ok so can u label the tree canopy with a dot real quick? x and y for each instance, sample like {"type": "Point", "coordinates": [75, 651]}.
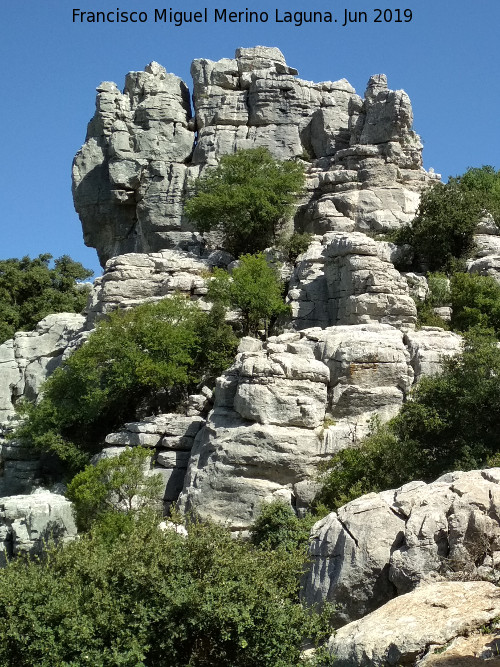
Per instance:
{"type": "Point", "coordinates": [246, 198]}
{"type": "Point", "coordinates": [30, 290]}
{"type": "Point", "coordinates": [443, 229]}
{"type": "Point", "coordinates": [167, 347]}
{"type": "Point", "coordinates": [157, 598]}
{"type": "Point", "coordinates": [254, 288]}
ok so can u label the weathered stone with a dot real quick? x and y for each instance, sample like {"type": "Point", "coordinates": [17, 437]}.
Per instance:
{"type": "Point", "coordinates": [447, 530]}
{"type": "Point", "coordinates": [29, 521]}
{"type": "Point", "coordinates": [403, 629]}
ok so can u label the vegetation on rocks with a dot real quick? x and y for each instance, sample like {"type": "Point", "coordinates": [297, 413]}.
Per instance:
{"type": "Point", "coordinates": [255, 289]}
{"type": "Point", "coordinates": [442, 233]}
{"type": "Point", "coordinates": [246, 198]}
{"type": "Point", "coordinates": [149, 597]}
{"type": "Point", "coordinates": [30, 290]}
{"type": "Point", "coordinates": [451, 423]}
{"type": "Point", "coordinates": [168, 347]}
{"type": "Point", "coordinates": [115, 484]}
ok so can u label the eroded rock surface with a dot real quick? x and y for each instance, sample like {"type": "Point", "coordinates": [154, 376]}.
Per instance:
{"type": "Point", "coordinates": [29, 522]}
{"type": "Point", "coordinates": [31, 356]}
{"type": "Point", "coordinates": [386, 544]}
{"type": "Point", "coordinates": [405, 629]}
{"type": "Point", "coordinates": [143, 147]}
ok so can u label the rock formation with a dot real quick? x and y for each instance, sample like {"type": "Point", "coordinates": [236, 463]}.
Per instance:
{"type": "Point", "coordinates": [415, 628]}
{"type": "Point", "coordinates": [383, 545]}
{"type": "Point", "coordinates": [143, 148]}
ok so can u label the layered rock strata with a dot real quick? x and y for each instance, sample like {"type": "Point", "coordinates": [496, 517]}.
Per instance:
{"type": "Point", "coordinates": [143, 148]}
{"type": "Point", "coordinates": [289, 403]}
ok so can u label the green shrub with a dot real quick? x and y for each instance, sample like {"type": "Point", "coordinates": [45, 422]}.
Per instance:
{"type": "Point", "coordinates": [156, 598]}
{"type": "Point", "coordinates": [475, 302]}
{"type": "Point", "coordinates": [277, 526]}
{"type": "Point", "coordinates": [170, 346]}
{"type": "Point", "coordinates": [451, 423]}
{"type": "Point", "coordinates": [254, 288]}
{"type": "Point", "coordinates": [30, 290]}
{"type": "Point", "coordinates": [295, 245]}
{"type": "Point", "coordinates": [246, 197]}
{"type": "Point", "coordinates": [442, 232]}
{"type": "Point", "coordinates": [113, 484]}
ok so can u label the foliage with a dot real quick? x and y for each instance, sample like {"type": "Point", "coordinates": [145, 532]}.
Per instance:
{"type": "Point", "coordinates": [255, 288]}
{"type": "Point", "coordinates": [295, 245]}
{"type": "Point", "coordinates": [117, 483]}
{"type": "Point", "coordinates": [451, 422]}
{"type": "Point", "coordinates": [485, 183]}
{"type": "Point", "coordinates": [169, 346]}
{"type": "Point", "coordinates": [474, 299]}
{"type": "Point", "coordinates": [278, 527]}
{"type": "Point", "coordinates": [246, 197]}
{"type": "Point", "coordinates": [442, 231]}
{"type": "Point", "coordinates": [475, 302]}
{"type": "Point", "coordinates": [30, 290]}
{"type": "Point", "coordinates": [156, 598]}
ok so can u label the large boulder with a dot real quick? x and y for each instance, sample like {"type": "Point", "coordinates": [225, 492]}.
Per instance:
{"type": "Point", "coordinates": [383, 545]}
{"type": "Point", "coordinates": [28, 523]}
{"type": "Point", "coordinates": [407, 629]}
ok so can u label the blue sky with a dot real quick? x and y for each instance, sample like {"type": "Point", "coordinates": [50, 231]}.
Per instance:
{"type": "Point", "coordinates": [447, 59]}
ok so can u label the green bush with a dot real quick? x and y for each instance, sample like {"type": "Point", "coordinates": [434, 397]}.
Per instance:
{"type": "Point", "coordinates": [246, 198]}
{"type": "Point", "coordinates": [156, 598]}
{"type": "Point", "coordinates": [451, 423]}
{"type": "Point", "coordinates": [170, 347]}
{"type": "Point", "coordinates": [475, 302]}
{"type": "Point", "coordinates": [278, 527]}
{"type": "Point", "coordinates": [254, 288]}
{"type": "Point", "coordinates": [295, 245]}
{"type": "Point", "coordinates": [30, 290]}
{"type": "Point", "coordinates": [442, 232]}
{"type": "Point", "coordinates": [114, 484]}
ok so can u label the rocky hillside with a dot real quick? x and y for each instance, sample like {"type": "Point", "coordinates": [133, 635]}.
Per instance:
{"type": "Point", "coordinates": [350, 352]}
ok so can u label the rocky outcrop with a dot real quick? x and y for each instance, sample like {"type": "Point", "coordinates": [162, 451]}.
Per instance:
{"type": "Point", "coordinates": [285, 406]}
{"type": "Point", "coordinates": [28, 523]}
{"type": "Point", "coordinates": [410, 629]}
{"type": "Point", "coordinates": [348, 278]}
{"type": "Point", "coordinates": [31, 356]}
{"type": "Point", "coordinates": [386, 544]}
{"type": "Point", "coordinates": [143, 148]}
{"type": "Point", "coordinates": [171, 438]}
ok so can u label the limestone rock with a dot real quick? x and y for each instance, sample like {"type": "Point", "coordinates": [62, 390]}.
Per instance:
{"type": "Point", "coordinates": [348, 278]}
{"type": "Point", "coordinates": [386, 544]}
{"type": "Point", "coordinates": [27, 521]}
{"type": "Point", "coordinates": [401, 631]}
{"type": "Point", "coordinates": [428, 347]}
{"type": "Point", "coordinates": [31, 356]}
{"type": "Point", "coordinates": [267, 431]}
{"type": "Point", "coordinates": [143, 148]}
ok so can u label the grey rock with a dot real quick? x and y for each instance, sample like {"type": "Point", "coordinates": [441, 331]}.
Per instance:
{"type": "Point", "coordinates": [383, 545]}
{"type": "Point", "coordinates": [412, 625]}
{"type": "Point", "coordinates": [28, 522]}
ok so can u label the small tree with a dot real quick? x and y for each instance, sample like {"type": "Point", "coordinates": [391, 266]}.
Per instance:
{"type": "Point", "coordinates": [246, 198]}
{"type": "Point", "coordinates": [254, 288]}
{"type": "Point", "coordinates": [117, 484]}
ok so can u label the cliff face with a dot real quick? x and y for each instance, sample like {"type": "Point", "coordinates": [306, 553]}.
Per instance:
{"type": "Point", "coordinates": [144, 146]}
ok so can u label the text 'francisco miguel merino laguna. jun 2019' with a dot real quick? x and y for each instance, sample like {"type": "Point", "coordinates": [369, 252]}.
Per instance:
{"type": "Point", "coordinates": [178, 18]}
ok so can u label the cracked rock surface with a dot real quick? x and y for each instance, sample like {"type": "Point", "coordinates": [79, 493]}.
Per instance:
{"type": "Point", "coordinates": [386, 544]}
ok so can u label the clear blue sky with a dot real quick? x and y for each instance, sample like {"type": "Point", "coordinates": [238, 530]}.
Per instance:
{"type": "Point", "coordinates": [447, 59]}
